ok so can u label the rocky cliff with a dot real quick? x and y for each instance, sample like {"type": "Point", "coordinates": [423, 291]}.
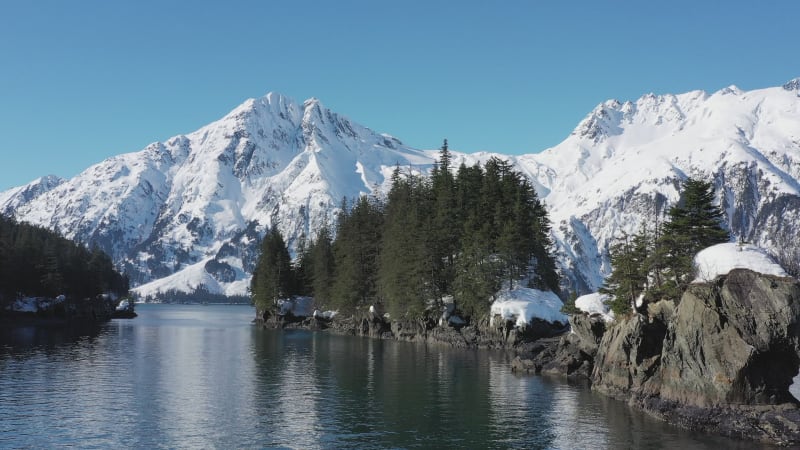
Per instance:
{"type": "Point", "coordinates": [720, 360]}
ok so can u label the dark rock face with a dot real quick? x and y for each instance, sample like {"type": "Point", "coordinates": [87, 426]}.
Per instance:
{"type": "Point", "coordinates": [628, 357]}
{"type": "Point", "coordinates": [574, 353]}
{"type": "Point", "coordinates": [733, 342]}
{"type": "Point", "coordinates": [721, 360]}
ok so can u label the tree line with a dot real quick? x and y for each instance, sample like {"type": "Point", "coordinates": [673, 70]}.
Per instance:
{"type": "Point", "coordinates": [37, 262]}
{"type": "Point", "coordinates": [456, 233]}
{"type": "Point", "coordinates": [658, 263]}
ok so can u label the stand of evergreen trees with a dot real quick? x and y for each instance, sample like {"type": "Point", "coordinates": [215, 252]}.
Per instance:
{"type": "Point", "coordinates": [37, 262]}
{"type": "Point", "coordinates": [659, 263]}
{"type": "Point", "coordinates": [459, 235]}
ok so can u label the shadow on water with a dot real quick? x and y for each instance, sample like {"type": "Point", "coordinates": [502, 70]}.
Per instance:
{"type": "Point", "coordinates": [320, 390]}
{"type": "Point", "coordinates": [203, 377]}
{"type": "Point", "coordinates": [581, 416]}
{"type": "Point", "coordinates": [22, 339]}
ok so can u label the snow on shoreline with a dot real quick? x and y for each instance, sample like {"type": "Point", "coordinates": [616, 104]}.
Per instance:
{"type": "Point", "coordinates": [522, 305]}
{"type": "Point", "coordinates": [302, 307]}
{"type": "Point", "coordinates": [595, 304]}
{"type": "Point", "coordinates": [34, 304]}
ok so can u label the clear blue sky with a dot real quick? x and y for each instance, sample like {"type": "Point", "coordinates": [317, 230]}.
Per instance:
{"type": "Point", "coordinates": [84, 80]}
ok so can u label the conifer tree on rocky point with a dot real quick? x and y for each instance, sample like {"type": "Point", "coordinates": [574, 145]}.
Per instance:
{"type": "Point", "coordinates": [661, 264]}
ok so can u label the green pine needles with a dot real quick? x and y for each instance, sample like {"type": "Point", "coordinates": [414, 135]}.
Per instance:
{"type": "Point", "coordinates": [38, 262]}
{"type": "Point", "coordinates": [457, 234]}
{"type": "Point", "coordinates": [658, 264]}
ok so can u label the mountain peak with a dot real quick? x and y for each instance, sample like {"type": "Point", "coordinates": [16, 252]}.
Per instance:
{"type": "Point", "coordinates": [195, 206]}
{"type": "Point", "coordinates": [311, 102]}
{"type": "Point", "coordinates": [274, 97]}
{"type": "Point", "coordinates": [15, 197]}
{"type": "Point", "coordinates": [602, 121]}
{"type": "Point", "coordinates": [792, 85]}
{"type": "Point", "coordinates": [732, 89]}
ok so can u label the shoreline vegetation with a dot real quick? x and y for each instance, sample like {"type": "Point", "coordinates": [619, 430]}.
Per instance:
{"type": "Point", "coordinates": [452, 239]}
{"type": "Point", "coordinates": [48, 279]}
{"type": "Point", "coordinates": [488, 333]}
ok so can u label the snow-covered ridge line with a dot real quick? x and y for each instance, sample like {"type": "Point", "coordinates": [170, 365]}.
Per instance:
{"type": "Point", "coordinates": [190, 211]}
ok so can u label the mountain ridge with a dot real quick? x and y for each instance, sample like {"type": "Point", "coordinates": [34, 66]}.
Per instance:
{"type": "Point", "coordinates": [192, 208]}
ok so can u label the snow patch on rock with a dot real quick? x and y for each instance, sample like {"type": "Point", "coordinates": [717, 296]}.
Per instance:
{"type": "Point", "coordinates": [595, 303]}
{"type": "Point", "coordinates": [720, 259]}
{"type": "Point", "coordinates": [522, 305]}
{"type": "Point", "coordinates": [297, 306]}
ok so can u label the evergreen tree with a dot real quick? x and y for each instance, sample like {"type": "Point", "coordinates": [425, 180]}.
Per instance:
{"type": "Point", "coordinates": [468, 189]}
{"type": "Point", "coordinates": [272, 277]}
{"type": "Point", "coordinates": [569, 304]}
{"type": "Point", "coordinates": [403, 260]}
{"type": "Point", "coordinates": [656, 265]}
{"type": "Point", "coordinates": [447, 234]}
{"type": "Point", "coordinates": [660, 265]}
{"type": "Point", "coordinates": [478, 274]}
{"type": "Point", "coordinates": [694, 224]}
{"type": "Point", "coordinates": [356, 251]}
{"type": "Point", "coordinates": [546, 276]}
{"type": "Point", "coordinates": [302, 268]}
{"type": "Point", "coordinates": [322, 266]}
{"type": "Point", "coordinates": [696, 217]}
{"type": "Point", "coordinates": [629, 277]}
{"type": "Point", "coordinates": [442, 222]}
{"type": "Point", "coordinates": [38, 262]}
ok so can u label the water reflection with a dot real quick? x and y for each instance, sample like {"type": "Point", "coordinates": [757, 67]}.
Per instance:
{"type": "Point", "coordinates": [202, 377]}
{"type": "Point", "coordinates": [24, 340]}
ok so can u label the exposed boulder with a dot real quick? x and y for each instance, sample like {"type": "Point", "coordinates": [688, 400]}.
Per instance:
{"type": "Point", "coordinates": [733, 341]}
{"type": "Point", "coordinates": [720, 360]}
{"type": "Point", "coordinates": [628, 357]}
{"type": "Point", "coordinates": [574, 354]}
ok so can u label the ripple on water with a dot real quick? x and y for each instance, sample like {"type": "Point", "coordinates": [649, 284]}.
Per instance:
{"type": "Point", "coordinates": [183, 376]}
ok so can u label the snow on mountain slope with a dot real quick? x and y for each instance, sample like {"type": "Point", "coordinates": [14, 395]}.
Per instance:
{"type": "Point", "coordinates": [623, 164]}
{"type": "Point", "coordinates": [15, 197]}
{"type": "Point", "coordinates": [204, 199]}
{"type": "Point", "coordinates": [190, 211]}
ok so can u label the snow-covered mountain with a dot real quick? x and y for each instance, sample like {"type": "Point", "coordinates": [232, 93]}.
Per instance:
{"type": "Point", "coordinates": [623, 163]}
{"type": "Point", "coordinates": [190, 211]}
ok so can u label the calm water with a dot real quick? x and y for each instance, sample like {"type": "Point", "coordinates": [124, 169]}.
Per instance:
{"type": "Point", "coordinates": [203, 376]}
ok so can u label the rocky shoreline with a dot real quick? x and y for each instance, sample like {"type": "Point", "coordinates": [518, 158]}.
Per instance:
{"type": "Point", "coordinates": [61, 312]}
{"type": "Point", "coordinates": [487, 334]}
{"type": "Point", "coordinates": [720, 360]}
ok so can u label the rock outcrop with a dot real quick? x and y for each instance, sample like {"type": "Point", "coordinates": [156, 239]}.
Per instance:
{"type": "Point", "coordinates": [721, 360]}
{"type": "Point", "coordinates": [486, 333]}
{"type": "Point", "coordinates": [734, 341]}
{"type": "Point", "coordinates": [61, 311]}
{"type": "Point", "coordinates": [572, 355]}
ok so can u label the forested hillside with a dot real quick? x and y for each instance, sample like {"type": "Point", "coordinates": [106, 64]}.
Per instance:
{"type": "Point", "coordinates": [456, 234]}
{"type": "Point", "coordinates": [38, 262]}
